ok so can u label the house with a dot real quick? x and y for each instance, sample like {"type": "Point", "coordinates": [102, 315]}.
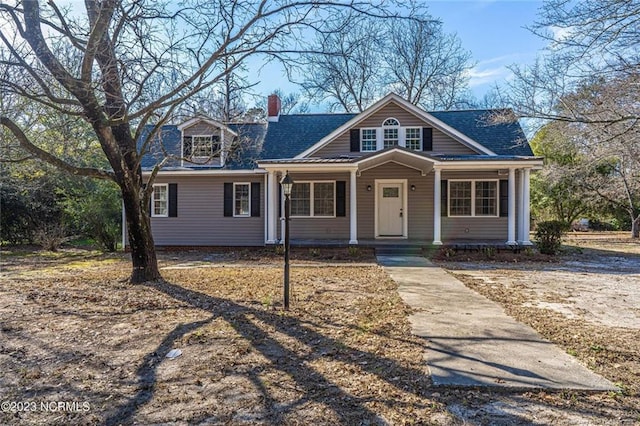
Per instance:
{"type": "Point", "coordinates": [391, 173]}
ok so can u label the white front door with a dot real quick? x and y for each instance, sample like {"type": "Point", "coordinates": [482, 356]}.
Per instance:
{"type": "Point", "coordinates": [390, 210]}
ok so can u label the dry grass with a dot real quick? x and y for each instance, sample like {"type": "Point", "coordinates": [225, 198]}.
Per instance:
{"type": "Point", "coordinates": [76, 331]}
{"type": "Point", "coordinates": [592, 287]}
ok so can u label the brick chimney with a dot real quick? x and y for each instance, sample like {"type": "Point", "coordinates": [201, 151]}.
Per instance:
{"type": "Point", "coordinates": [273, 108]}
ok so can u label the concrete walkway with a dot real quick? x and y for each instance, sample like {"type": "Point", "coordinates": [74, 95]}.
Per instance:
{"type": "Point", "coordinates": [471, 341]}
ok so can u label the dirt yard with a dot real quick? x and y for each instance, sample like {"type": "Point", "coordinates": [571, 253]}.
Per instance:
{"type": "Point", "coordinates": [79, 345]}
{"type": "Point", "coordinates": [74, 332]}
{"type": "Point", "coordinates": [587, 300]}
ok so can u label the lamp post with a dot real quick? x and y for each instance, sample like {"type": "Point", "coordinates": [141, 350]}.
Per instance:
{"type": "Point", "coordinates": [287, 185]}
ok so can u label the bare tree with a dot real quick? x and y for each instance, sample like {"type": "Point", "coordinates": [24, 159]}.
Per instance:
{"type": "Point", "coordinates": [344, 68]}
{"type": "Point", "coordinates": [292, 102]}
{"type": "Point", "coordinates": [425, 65]}
{"type": "Point", "coordinates": [587, 39]}
{"type": "Point", "coordinates": [369, 57]}
{"type": "Point", "coordinates": [589, 79]}
{"type": "Point", "coordinates": [122, 65]}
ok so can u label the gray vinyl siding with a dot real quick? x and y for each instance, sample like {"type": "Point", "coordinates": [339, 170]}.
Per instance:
{"type": "Point", "coordinates": [318, 227]}
{"type": "Point", "coordinates": [477, 228]}
{"type": "Point", "coordinates": [442, 143]}
{"type": "Point", "coordinates": [201, 220]}
{"type": "Point", "coordinates": [419, 202]}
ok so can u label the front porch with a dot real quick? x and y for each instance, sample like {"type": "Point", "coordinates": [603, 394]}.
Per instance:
{"type": "Point", "coordinates": [457, 245]}
{"type": "Point", "coordinates": [368, 184]}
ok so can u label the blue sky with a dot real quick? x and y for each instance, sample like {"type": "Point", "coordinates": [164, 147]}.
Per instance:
{"type": "Point", "coordinates": [493, 30]}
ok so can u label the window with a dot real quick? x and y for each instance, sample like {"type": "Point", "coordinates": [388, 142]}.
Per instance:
{"type": "Point", "coordinates": [459, 198]}
{"type": "Point", "coordinates": [323, 199]}
{"type": "Point", "coordinates": [241, 199]}
{"type": "Point", "coordinates": [412, 138]}
{"type": "Point", "coordinates": [390, 129]}
{"type": "Point", "coordinates": [313, 199]}
{"type": "Point", "coordinates": [486, 198]}
{"type": "Point", "coordinates": [160, 201]}
{"type": "Point", "coordinates": [301, 199]}
{"type": "Point", "coordinates": [473, 198]}
{"type": "Point", "coordinates": [390, 138]}
{"type": "Point", "coordinates": [201, 146]}
{"type": "Point", "coordinates": [369, 140]}
{"type": "Point", "coordinates": [391, 134]}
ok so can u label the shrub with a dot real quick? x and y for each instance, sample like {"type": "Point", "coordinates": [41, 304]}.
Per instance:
{"type": "Point", "coordinates": [353, 251]}
{"type": "Point", "coordinates": [549, 236]}
{"type": "Point", "coordinates": [50, 236]}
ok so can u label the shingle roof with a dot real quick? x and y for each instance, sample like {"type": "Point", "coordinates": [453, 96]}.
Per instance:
{"type": "Point", "coordinates": [502, 138]}
{"type": "Point", "coordinates": [249, 146]}
{"type": "Point", "coordinates": [293, 134]}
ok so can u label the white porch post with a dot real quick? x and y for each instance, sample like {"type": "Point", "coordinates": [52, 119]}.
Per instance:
{"type": "Point", "coordinates": [511, 229]}
{"type": "Point", "coordinates": [520, 233]}
{"type": "Point", "coordinates": [436, 208]}
{"type": "Point", "coordinates": [272, 197]}
{"type": "Point", "coordinates": [526, 208]}
{"type": "Point", "coordinates": [353, 210]}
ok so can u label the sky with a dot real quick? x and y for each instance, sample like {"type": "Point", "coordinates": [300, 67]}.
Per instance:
{"type": "Point", "coordinates": [492, 30]}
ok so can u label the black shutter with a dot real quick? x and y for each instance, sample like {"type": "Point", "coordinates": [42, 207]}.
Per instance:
{"type": "Point", "coordinates": [355, 140]}
{"type": "Point", "coordinates": [427, 139]}
{"type": "Point", "coordinates": [341, 198]}
{"type": "Point", "coordinates": [255, 199]}
{"type": "Point", "coordinates": [444, 199]}
{"type": "Point", "coordinates": [504, 198]}
{"type": "Point", "coordinates": [187, 146]}
{"type": "Point", "coordinates": [228, 199]}
{"type": "Point", "coordinates": [173, 200]}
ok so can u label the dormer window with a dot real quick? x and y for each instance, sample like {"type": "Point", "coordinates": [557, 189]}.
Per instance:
{"type": "Point", "coordinates": [201, 146]}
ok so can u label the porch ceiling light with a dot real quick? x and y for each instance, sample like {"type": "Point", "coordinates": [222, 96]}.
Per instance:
{"type": "Point", "coordinates": [287, 184]}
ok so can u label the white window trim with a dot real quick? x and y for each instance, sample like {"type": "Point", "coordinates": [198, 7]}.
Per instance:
{"type": "Point", "coordinates": [213, 155]}
{"type": "Point", "coordinates": [221, 151]}
{"type": "Point", "coordinates": [402, 136]}
{"type": "Point", "coordinates": [377, 129]}
{"type": "Point", "coordinates": [312, 199]}
{"type": "Point", "coordinates": [234, 199]}
{"type": "Point", "coordinates": [473, 197]}
{"type": "Point", "coordinates": [153, 200]}
{"type": "Point", "coordinates": [404, 139]}
{"type": "Point", "coordinates": [392, 126]}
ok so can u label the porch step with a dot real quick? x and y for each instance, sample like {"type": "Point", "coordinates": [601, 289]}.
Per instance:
{"type": "Point", "coordinates": [399, 251]}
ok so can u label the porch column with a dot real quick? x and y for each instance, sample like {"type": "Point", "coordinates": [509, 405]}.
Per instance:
{"type": "Point", "coordinates": [526, 207]}
{"type": "Point", "coordinates": [272, 199]}
{"type": "Point", "coordinates": [520, 232]}
{"type": "Point", "coordinates": [436, 208]}
{"type": "Point", "coordinates": [353, 210]}
{"type": "Point", "coordinates": [511, 229]}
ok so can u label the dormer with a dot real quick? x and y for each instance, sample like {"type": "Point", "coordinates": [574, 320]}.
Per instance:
{"type": "Point", "coordinates": [205, 142]}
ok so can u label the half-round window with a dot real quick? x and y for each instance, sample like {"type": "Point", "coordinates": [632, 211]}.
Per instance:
{"type": "Point", "coordinates": [390, 122]}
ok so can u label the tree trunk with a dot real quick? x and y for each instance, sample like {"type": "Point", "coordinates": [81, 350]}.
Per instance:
{"type": "Point", "coordinates": [143, 252]}
{"type": "Point", "coordinates": [635, 227]}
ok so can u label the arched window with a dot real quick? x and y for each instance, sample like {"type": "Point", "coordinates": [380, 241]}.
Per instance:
{"type": "Point", "coordinates": [390, 132]}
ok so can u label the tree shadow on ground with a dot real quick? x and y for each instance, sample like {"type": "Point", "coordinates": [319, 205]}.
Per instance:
{"type": "Point", "coordinates": [349, 409]}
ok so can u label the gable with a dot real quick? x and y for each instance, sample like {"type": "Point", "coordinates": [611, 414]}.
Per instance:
{"type": "Point", "coordinates": [442, 143]}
